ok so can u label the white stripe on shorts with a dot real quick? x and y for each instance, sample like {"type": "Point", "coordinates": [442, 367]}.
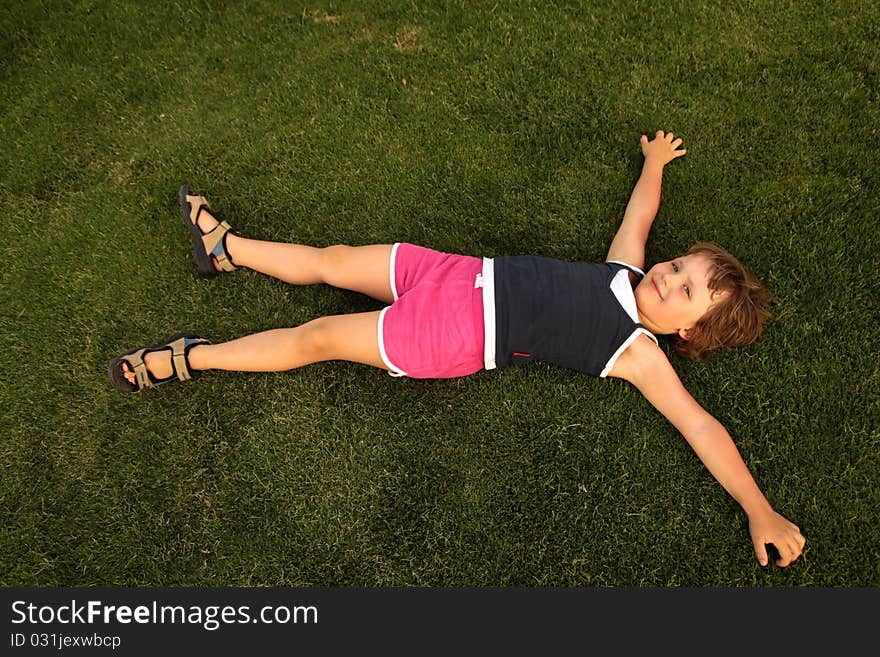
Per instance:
{"type": "Point", "coordinates": [488, 284]}
{"type": "Point", "coordinates": [391, 274]}
{"type": "Point", "coordinates": [393, 369]}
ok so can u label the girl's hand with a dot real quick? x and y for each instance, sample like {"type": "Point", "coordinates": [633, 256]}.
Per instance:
{"type": "Point", "coordinates": [770, 527]}
{"type": "Point", "coordinates": [663, 148]}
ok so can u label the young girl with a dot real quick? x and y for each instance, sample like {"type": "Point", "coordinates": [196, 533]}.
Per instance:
{"type": "Point", "coordinates": [452, 315]}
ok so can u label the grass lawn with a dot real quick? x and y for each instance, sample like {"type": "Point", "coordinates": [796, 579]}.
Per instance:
{"type": "Point", "coordinates": [475, 127]}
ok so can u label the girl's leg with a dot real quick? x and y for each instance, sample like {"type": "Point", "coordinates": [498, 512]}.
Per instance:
{"type": "Point", "coordinates": [363, 269]}
{"type": "Point", "coordinates": [340, 337]}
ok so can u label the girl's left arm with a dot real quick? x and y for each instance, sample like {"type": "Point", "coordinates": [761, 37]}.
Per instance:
{"type": "Point", "coordinates": [655, 377]}
{"type": "Point", "coordinates": [629, 242]}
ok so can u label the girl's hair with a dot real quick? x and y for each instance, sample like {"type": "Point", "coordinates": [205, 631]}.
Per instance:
{"type": "Point", "coordinates": [738, 318]}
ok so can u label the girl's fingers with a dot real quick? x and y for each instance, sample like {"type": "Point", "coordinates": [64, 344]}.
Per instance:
{"type": "Point", "coordinates": [790, 555]}
{"type": "Point", "coordinates": [761, 553]}
{"type": "Point", "coordinates": [676, 143]}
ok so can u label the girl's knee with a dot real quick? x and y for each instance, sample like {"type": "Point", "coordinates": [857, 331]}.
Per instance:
{"type": "Point", "coordinates": [332, 261]}
{"type": "Point", "coordinates": [341, 337]}
{"type": "Point", "coordinates": [318, 338]}
{"type": "Point", "coordinates": [334, 256]}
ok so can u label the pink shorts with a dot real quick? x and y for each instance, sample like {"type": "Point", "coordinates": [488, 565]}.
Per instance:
{"type": "Point", "coordinates": [434, 328]}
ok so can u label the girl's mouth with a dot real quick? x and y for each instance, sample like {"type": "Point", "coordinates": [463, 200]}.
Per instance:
{"type": "Point", "coordinates": [656, 287]}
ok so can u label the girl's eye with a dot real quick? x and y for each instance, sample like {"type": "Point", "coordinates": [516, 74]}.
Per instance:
{"type": "Point", "coordinates": [687, 290]}
{"type": "Point", "coordinates": [675, 267]}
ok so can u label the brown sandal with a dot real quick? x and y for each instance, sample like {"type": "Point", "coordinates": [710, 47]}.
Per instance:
{"type": "Point", "coordinates": [179, 344]}
{"type": "Point", "coordinates": [205, 245]}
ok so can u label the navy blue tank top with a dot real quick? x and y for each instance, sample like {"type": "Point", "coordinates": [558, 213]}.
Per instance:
{"type": "Point", "coordinates": [579, 315]}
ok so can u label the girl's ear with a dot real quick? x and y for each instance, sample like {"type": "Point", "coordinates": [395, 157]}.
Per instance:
{"type": "Point", "coordinates": [685, 334]}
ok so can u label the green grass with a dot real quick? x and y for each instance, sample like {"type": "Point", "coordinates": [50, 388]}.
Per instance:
{"type": "Point", "coordinates": [516, 132]}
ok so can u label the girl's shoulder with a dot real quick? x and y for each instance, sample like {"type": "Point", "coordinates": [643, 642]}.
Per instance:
{"type": "Point", "coordinates": [641, 354]}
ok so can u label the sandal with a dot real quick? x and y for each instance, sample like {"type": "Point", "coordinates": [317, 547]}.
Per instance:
{"type": "Point", "coordinates": [205, 245]}
{"type": "Point", "coordinates": [179, 344]}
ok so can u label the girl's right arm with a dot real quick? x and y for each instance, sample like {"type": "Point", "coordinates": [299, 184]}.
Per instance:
{"type": "Point", "coordinates": [629, 243]}
{"type": "Point", "coordinates": [651, 372]}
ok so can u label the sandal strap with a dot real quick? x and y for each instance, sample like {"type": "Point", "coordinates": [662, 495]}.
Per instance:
{"type": "Point", "coordinates": [142, 376]}
{"type": "Point", "coordinates": [196, 204]}
{"type": "Point", "coordinates": [179, 350]}
{"type": "Point", "coordinates": [215, 245]}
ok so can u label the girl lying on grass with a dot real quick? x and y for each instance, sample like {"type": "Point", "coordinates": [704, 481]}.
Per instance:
{"type": "Point", "coordinates": [452, 315]}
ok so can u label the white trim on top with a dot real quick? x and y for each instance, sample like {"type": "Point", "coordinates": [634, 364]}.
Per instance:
{"type": "Point", "coordinates": [627, 265]}
{"type": "Point", "coordinates": [623, 292]}
{"type": "Point", "coordinates": [610, 364]}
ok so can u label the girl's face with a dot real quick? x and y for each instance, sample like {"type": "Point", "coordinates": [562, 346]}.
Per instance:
{"type": "Point", "coordinates": [674, 295]}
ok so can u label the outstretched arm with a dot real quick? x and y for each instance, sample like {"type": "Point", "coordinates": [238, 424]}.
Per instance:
{"type": "Point", "coordinates": [655, 377]}
{"type": "Point", "coordinates": [629, 243]}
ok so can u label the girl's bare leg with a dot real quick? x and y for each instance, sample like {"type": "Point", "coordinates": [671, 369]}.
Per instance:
{"type": "Point", "coordinates": [363, 269]}
{"type": "Point", "coordinates": [340, 337]}
{"type": "Point", "coordinates": [354, 337]}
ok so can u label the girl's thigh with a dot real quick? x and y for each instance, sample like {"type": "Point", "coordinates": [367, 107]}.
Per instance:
{"type": "Point", "coordinates": [353, 337]}
{"type": "Point", "coordinates": [364, 269]}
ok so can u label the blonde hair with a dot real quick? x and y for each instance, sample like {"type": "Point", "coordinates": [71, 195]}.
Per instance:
{"type": "Point", "coordinates": [737, 319]}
